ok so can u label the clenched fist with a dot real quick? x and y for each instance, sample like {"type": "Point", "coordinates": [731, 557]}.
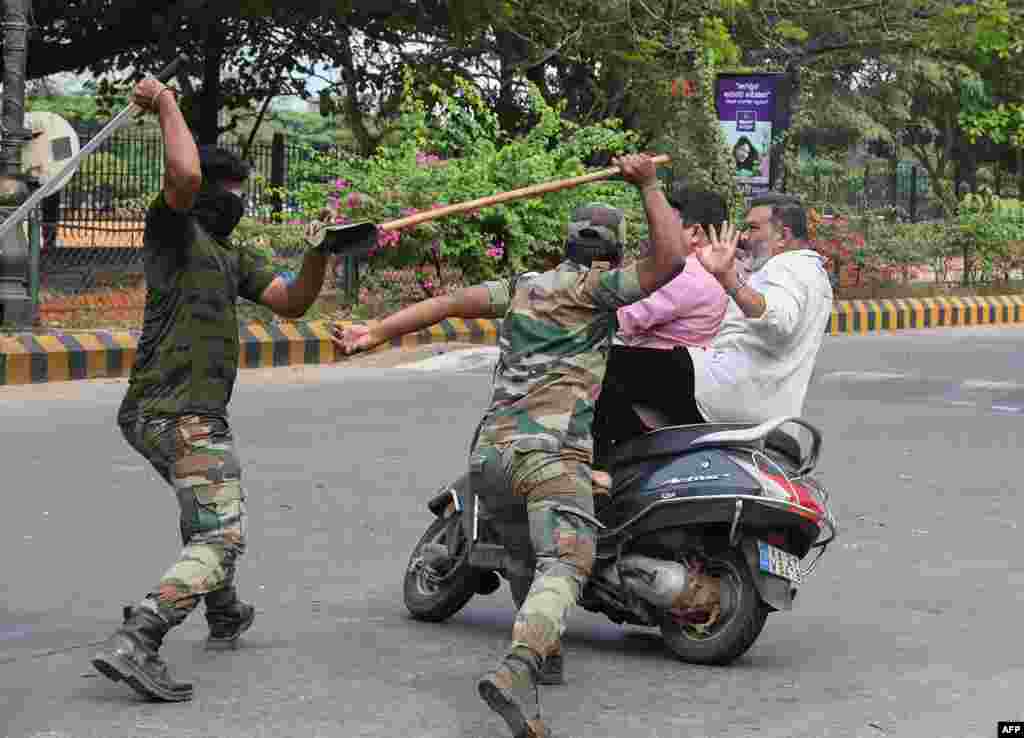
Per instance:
{"type": "Point", "coordinates": [149, 94]}
{"type": "Point", "coordinates": [637, 169]}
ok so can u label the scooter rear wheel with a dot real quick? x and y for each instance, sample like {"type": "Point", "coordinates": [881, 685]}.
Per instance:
{"type": "Point", "coordinates": [735, 631]}
{"type": "Point", "coordinates": [431, 592]}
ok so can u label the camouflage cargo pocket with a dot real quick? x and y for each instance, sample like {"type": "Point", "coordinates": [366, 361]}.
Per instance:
{"type": "Point", "coordinates": [207, 480]}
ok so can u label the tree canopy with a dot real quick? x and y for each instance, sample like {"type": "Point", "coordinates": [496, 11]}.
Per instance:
{"type": "Point", "coordinates": [939, 79]}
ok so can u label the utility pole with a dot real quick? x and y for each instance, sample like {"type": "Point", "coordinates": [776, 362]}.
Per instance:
{"type": "Point", "coordinates": [16, 306]}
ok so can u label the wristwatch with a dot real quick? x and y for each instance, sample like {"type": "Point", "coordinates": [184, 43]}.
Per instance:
{"type": "Point", "coordinates": [731, 291]}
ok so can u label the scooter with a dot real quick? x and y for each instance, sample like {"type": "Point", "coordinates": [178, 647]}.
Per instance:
{"type": "Point", "coordinates": [735, 502]}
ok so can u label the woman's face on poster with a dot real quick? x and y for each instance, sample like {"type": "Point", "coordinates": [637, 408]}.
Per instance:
{"type": "Point", "coordinates": [742, 152]}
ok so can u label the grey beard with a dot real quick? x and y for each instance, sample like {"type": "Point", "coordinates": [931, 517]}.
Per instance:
{"type": "Point", "coordinates": [756, 262]}
{"type": "Point", "coordinates": [749, 261]}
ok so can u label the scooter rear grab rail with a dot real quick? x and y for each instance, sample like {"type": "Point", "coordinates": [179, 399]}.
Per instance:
{"type": "Point", "coordinates": [758, 434]}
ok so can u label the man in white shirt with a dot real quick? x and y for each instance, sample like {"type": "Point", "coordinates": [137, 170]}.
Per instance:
{"type": "Point", "coordinates": [759, 364]}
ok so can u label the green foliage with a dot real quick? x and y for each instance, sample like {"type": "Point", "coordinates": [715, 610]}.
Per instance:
{"type": "Point", "coordinates": [715, 37]}
{"type": "Point", "coordinates": [694, 138]}
{"type": "Point", "coordinates": [410, 174]}
{"type": "Point", "coordinates": [87, 109]}
{"type": "Point", "coordinates": [898, 245]}
{"type": "Point", "coordinates": [1002, 124]}
{"type": "Point", "coordinates": [791, 31]}
{"type": "Point", "coordinates": [990, 229]}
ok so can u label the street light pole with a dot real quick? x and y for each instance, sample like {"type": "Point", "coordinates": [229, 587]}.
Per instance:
{"type": "Point", "coordinates": [16, 306]}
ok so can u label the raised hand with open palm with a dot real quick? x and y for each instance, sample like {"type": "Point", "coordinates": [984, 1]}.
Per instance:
{"type": "Point", "coordinates": [718, 253]}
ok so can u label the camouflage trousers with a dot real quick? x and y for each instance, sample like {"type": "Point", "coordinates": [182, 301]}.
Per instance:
{"type": "Point", "coordinates": [559, 505]}
{"type": "Point", "coordinates": [196, 456]}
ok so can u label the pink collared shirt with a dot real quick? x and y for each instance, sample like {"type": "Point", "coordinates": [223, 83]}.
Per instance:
{"type": "Point", "coordinates": [688, 311]}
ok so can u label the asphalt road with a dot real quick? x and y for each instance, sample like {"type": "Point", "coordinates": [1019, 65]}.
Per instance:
{"type": "Point", "coordinates": [908, 628]}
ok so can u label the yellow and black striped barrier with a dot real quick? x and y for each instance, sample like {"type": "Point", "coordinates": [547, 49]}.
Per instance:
{"type": "Point", "coordinates": [873, 316]}
{"type": "Point", "coordinates": [60, 356]}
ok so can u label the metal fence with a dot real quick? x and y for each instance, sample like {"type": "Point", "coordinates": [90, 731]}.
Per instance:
{"type": "Point", "coordinates": [92, 229]}
{"type": "Point", "coordinates": [905, 188]}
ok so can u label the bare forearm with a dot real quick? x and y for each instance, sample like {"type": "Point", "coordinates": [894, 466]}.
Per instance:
{"type": "Point", "coordinates": [415, 317]}
{"type": "Point", "coordinates": [302, 293]}
{"type": "Point", "coordinates": [181, 157]}
{"type": "Point", "coordinates": [668, 248]}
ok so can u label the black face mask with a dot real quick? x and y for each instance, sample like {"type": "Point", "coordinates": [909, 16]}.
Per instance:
{"type": "Point", "coordinates": [586, 251]}
{"type": "Point", "coordinates": [218, 211]}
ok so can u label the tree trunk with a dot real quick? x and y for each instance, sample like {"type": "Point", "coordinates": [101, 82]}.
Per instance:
{"type": "Point", "coordinates": [575, 83]}
{"type": "Point", "coordinates": [15, 42]}
{"type": "Point", "coordinates": [208, 123]}
{"type": "Point", "coordinates": [538, 75]}
{"type": "Point", "coordinates": [971, 169]}
{"type": "Point", "coordinates": [353, 111]}
{"type": "Point", "coordinates": [1020, 174]}
{"type": "Point", "coordinates": [509, 54]}
{"type": "Point", "coordinates": [256, 126]}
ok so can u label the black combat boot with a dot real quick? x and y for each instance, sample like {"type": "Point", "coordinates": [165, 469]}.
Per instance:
{"type": "Point", "coordinates": [552, 670]}
{"type": "Point", "coordinates": [130, 654]}
{"type": "Point", "coordinates": [511, 691]}
{"type": "Point", "coordinates": [228, 618]}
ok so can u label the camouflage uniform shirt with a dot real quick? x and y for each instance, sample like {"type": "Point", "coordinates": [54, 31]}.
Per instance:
{"type": "Point", "coordinates": [554, 342]}
{"type": "Point", "coordinates": [187, 356]}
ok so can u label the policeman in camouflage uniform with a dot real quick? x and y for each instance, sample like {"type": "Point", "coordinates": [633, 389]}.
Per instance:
{"type": "Point", "coordinates": [175, 410]}
{"type": "Point", "coordinates": [534, 447]}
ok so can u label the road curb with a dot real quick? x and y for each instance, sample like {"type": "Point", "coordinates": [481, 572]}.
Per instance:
{"type": "Point", "coordinates": [69, 355]}
{"type": "Point", "coordinates": [884, 316]}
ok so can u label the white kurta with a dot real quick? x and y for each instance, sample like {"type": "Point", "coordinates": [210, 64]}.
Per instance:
{"type": "Point", "coordinates": [757, 369]}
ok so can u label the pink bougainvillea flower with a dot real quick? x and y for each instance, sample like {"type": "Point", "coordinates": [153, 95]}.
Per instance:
{"type": "Point", "coordinates": [424, 159]}
{"type": "Point", "coordinates": [388, 238]}
{"type": "Point", "coordinates": [496, 250]}
{"type": "Point", "coordinates": [341, 184]}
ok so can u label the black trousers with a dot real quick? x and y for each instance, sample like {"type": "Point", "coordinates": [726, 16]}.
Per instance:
{"type": "Point", "coordinates": [659, 378]}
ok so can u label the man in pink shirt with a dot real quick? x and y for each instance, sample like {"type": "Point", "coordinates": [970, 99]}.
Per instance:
{"type": "Point", "coordinates": [649, 362]}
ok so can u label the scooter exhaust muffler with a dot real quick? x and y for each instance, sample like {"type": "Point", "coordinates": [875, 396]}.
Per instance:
{"type": "Point", "coordinates": [667, 585]}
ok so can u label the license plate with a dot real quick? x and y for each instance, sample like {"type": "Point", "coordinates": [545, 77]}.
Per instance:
{"type": "Point", "coordinates": [778, 562]}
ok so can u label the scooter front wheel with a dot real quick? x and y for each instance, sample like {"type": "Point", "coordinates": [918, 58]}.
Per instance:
{"type": "Point", "coordinates": [435, 588]}
{"type": "Point", "coordinates": [735, 630]}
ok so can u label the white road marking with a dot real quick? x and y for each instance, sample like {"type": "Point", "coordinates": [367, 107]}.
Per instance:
{"type": "Point", "coordinates": [967, 385]}
{"type": "Point", "coordinates": [865, 376]}
{"type": "Point", "coordinates": [990, 384]}
{"type": "Point", "coordinates": [465, 360]}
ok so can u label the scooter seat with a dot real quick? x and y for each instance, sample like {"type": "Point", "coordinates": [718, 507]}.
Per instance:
{"type": "Point", "coordinates": [678, 439]}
